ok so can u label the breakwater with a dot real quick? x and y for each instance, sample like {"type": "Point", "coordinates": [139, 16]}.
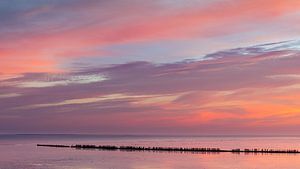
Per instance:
{"type": "Point", "coordinates": [170, 149]}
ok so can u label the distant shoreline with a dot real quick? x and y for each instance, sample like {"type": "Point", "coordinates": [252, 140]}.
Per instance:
{"type": "Point", "coordinates": [140, 135]}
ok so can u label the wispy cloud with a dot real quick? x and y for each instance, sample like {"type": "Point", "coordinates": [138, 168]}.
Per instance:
{"type": "Point", "coordinates": [44, 36]}
{"type": "Point", "coordinates": [235, 90]}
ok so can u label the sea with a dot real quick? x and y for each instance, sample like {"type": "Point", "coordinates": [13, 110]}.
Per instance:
{"type": "Point", "coordinates": [20, 152]}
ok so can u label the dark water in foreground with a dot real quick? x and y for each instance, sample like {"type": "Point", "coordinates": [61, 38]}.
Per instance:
{"type": "Point", "coordinates": [20, 152]}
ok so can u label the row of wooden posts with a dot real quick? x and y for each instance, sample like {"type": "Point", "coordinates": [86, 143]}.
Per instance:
{"type": "Point", "coordinates": [170, 149]}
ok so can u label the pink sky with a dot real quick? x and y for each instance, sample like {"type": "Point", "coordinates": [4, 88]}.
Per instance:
{"type": "Point", "coordinates": [151, 67]}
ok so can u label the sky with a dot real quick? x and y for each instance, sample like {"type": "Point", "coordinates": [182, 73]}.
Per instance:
{"type": "Point", "coordinates": [218, 67]}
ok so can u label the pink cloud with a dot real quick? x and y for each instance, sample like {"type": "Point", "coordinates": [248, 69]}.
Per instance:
{"type": "Point", "coordinates": [93, 26]}
{"type": "Point", "coordinates": [235, 91]}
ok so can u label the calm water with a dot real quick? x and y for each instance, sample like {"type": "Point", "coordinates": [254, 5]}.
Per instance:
{"type": "Point", "coordinates": [20, 152]}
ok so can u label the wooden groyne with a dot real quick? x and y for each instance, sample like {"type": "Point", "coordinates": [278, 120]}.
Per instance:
{"type": "Point", "coordinates": [170, 149]}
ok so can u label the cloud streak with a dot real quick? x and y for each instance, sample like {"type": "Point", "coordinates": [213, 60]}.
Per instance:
{"type": "Point", "coordinates": [42, 37]}
{"type": "Point", "coordinates": [233, 92]}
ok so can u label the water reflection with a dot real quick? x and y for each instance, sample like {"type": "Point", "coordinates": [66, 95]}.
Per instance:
{"type": "Point", "coordinates": [23, 154]}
